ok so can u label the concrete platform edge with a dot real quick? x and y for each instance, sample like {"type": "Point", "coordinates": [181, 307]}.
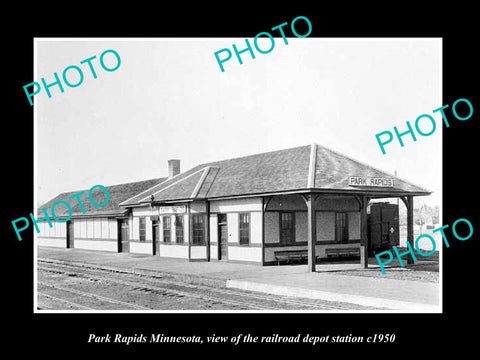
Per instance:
{"type": "Point", "coordinates": [403, 306]}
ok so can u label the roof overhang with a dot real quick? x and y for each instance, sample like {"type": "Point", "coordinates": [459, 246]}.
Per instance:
{"type": "Point", "coordinates": [372, 193]}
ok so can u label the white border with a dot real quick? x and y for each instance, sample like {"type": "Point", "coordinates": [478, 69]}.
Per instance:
{"type": "Point", "coordinates": [35, 303]}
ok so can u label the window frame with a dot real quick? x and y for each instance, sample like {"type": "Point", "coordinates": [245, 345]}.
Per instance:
{"type": "Point", "coordinates": [248, 228]}
{"type": "Point", "coordinates": [292, 238]}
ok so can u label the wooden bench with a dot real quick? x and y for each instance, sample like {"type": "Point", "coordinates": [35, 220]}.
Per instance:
{"type": "Point", "coordinates": [340, 252]}
{"type": "Point", "coordinates": [287, 255]}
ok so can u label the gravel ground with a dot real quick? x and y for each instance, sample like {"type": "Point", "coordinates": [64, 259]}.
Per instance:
{"type": "Point", "coordinates": [69, 287]}
{"type": "Point", "coordinates": [425, 269]}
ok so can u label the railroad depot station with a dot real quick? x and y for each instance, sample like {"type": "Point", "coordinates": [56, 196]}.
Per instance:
{"type": "Point", "coordinates": [306, 202]}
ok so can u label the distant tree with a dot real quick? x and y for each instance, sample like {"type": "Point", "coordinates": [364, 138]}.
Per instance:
{"type": "Point", "coordinates": [436, 215]}
{"type": "Point", "coordinates": [420, 216]}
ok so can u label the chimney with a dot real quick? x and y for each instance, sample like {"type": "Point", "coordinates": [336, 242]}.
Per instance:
{"type": "Point", "coordinates": [173, 167]}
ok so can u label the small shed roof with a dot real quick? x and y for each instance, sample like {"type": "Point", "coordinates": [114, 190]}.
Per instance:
{"type": "Point", "coordinates": [118, 193]}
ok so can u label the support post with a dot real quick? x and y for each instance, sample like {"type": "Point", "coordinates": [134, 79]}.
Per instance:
{"type": "Point", "coordinates": [263, 229]}
{"type": "Point", "coordinates": [190, 231]}
{"type": "Point", "coordinates": [207, 228]}
{"type": "Point", "coordinates": [363, 233]}
{"type": "Point", "coordinates": [312, 232]}
{"type": "Point", "coordinates": [409, 204]}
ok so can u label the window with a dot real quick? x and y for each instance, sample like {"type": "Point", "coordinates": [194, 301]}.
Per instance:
{"type": "Point", "coordinates": [179, 229]}
{"type": "Point", "coordinates": [141, 229]}
{"type": "Point", "coordinates": [341, 228]}
{"type": "Point", "coordinates": [166, 229]}
{"type": "Point", "coordinates": [287, 228]}
{"type": "Point", "coordinates": [198, 229]}
{"type": "Point", "coordinates": [244, 229]}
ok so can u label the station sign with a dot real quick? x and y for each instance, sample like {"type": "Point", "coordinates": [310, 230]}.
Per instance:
{"type": "Point", "coordinates": [180, 209]}
{"type": "Point", "coordinates": [370, 181]}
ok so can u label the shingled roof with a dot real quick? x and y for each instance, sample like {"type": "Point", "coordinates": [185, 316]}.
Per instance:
{"type": "Point", "coordinates": [118, 193]}
{"type": "Point", "coordinates": [289, 170]}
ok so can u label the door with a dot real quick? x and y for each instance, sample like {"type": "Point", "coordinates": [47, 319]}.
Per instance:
{"type": "Point", "coordinates": [69, 235]}
{"type": "Point", "coordinates": [123, 239]}
{"type": "Point", "coordinates": [156, 238]}
{"type": "Point", "coordinates": [222, 237]}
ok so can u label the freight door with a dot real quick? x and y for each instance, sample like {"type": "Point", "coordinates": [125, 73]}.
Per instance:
{"type": "Point", "coordinates": [390, 225]}
{"type": "Point", "coordinates": [383, 227]}
{"type": "Point", "coordinates": [222, 237]}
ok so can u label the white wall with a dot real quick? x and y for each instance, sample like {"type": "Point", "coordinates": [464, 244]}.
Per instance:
{"type": "Point", "coordinates": [141, 247]}
{"type": "Point", "coordinates": [96, 245]}
{"type": "Point", "coordinates": [232, 226]}
{"type": "Point", "coordinates": [245, 253]}
{"type": "Point", "coordinates": [198, 252]}
{"type": "Point", "coordinates": [174, 251]}
{"type": "Point", "coordinates": [213, 236]}
{"type": "Point", "coordinates": [113, 229]}
{"type": "Point", "coordinates": [135, 228]}
{"type": "Point", "coordinates": [256, 230]}
{"type": "Point", "coordinates": [54, 242]}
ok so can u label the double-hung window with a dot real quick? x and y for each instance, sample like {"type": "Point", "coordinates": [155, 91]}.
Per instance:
{"type": "Point", "coordinates": [244, 228]}
{"type": "Point", "coordinates": [141, 228]}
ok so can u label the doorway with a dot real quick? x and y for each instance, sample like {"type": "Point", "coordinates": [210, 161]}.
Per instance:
{"type": "Point", "coordinates": [222, 237]}
{"type": "Point", "coordinates": [156, 238]}
{"type": "Point", "coordinates": [123, 239]}
{"type": "Point", "coordinates": [69, 235]}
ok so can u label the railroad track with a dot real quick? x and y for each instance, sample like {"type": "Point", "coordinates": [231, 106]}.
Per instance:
{"type": "Point", "coordinates": [90, 295]}
{"type": "Point", "coordinates": [252, 300]}
{"type": "Point", "coordinates": [68, 302]}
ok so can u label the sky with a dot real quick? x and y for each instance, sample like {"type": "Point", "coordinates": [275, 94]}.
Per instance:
{"type": "Point", "coordinates": [170, 100]}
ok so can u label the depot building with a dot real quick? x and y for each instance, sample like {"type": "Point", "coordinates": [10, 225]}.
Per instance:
{"type": "Point", "coordinates": [260, 209]}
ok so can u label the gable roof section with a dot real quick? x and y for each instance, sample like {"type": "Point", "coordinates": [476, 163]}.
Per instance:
{"type": "Point", "coordinates": [333, 169]}
{"type": "Point", "coordinates": [118, 193]}
{"type": "Point", "coordinates": [311, 167]}
{"type": "Point", "coordinates": [274, 171]}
